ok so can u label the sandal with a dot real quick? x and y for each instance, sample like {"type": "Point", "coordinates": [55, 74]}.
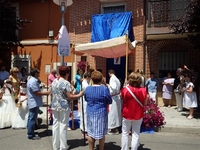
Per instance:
{"type": "Point", "coordinates": [163, 105]}
{"type": "Point", "coordinates": [190, 117]}
{"type": "Point", "coordinates": [69, 129]}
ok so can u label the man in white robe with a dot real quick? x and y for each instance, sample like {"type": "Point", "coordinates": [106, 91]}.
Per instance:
{"type": "Point", "coordinates": [114, 114]}
{"type": "Point", "coordinates": [85, 84]}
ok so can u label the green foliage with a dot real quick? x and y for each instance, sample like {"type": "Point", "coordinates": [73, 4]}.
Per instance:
{"type": "Point", "coordinates": [9, 23]}
{"type": "Point", "coordinates": [190, 23]}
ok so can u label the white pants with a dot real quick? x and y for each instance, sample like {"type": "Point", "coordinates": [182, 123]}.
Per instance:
{"type": "Point", "coordinates": [115, 113]}
{"type": "Point", "coordinates": [59, 129]}
{"type": "Point", "coordinates": [179, 101]}
{"type": "Point", "coordinates": [126, 126]}
{"type": "Point", "coordinates": [152, 95]}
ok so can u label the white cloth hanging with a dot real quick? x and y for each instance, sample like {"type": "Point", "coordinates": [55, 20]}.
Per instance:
{"type": "Point", "coordinates": [63, 42]}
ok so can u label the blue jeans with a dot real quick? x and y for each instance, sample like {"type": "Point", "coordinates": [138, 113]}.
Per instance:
{"type": "Point", "coordinates": [33, 112]}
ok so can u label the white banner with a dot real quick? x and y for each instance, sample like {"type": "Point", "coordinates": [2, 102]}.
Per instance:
{"type": "Point", "coordinates": [63, 42]}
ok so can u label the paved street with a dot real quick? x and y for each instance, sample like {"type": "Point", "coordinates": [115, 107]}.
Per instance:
{"type": "Point", "coordinates": [179, 133]}
{"type": "Point", "coordinates": [16, 140]}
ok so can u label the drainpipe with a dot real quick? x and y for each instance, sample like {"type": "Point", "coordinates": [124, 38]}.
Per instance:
{"type": "Point", "coordinates": [144, 38]}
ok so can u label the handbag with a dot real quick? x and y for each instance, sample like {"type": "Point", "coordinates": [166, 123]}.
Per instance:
{"type": "Point", "coordinates": [134, 96]}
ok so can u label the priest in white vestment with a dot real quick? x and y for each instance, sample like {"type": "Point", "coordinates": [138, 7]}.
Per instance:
{"type": "Point", "coordinates": [114, 110]}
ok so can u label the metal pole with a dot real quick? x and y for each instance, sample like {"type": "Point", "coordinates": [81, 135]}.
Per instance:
{"type": "Point", "coordinates": [47, 118]}
{"type": "Point", "coordinates": [62, 23]}
{"type": "Point", "coordinates": [73, 48]}
{"type": "Point", "coordinates": [127, 48]}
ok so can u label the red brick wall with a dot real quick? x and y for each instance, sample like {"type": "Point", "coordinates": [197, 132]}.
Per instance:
{"type": "Point", "coordinates": [153, 47]}
{"type": "Point", "coordinates": [45, 16]}
{"type": "Point", "coordinates": [80, 19]}
{"type": "Point", "coordinates": [80, 28]}
{"type": "Point", "coordinates": [137, 7]}
{"type": "Point", "coordinates": [80, 32]}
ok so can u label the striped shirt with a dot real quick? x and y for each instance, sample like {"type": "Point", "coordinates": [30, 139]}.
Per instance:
{"type": "Point", "coordinates": [97, 97]}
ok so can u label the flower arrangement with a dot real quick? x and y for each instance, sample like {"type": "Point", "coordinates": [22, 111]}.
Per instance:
{"type": "Point", "coordinates": [81, 65]}
{"type": "Point", "coordinates": [153, 117]}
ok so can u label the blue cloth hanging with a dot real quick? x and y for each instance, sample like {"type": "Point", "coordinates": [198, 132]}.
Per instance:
{"type": "Point", "coordinates": [108, 26]}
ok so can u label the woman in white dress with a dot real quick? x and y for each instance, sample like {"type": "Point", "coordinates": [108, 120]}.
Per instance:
{"type": "Point", "coordinates": [190, 97]}
{"type": "Point", "coordinates": [21, 117]}
{"type": "Point", "coordinates": [7, 105]}
{"type": "Point", "coordinates": [85, 83]}
{"type": "Point", "coordinates": [142, 75]}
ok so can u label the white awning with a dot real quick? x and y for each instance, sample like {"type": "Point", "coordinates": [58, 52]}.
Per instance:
{"type": "Point", "coordinates": [111, 48]}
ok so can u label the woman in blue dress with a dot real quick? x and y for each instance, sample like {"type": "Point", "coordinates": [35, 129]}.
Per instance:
{"type": "Point", "coordinates": [98, 98]}
{"type": "Point", "coordinates": [78, 79]}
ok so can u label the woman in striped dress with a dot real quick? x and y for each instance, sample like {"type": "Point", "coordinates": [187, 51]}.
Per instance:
{"type": "Point", "coordinates": [98, 98]}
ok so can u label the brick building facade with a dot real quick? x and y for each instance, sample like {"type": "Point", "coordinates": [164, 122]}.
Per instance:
{"type": "Point", "coordinates": [80, 27]}
{"type": "Point", "coordinates": [158, 50]}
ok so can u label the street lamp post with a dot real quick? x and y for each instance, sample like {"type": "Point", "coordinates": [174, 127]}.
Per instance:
{"type": "Point", "coordinates": [63, 10]}
{"type": "Point", "coordinates": [63, 5]}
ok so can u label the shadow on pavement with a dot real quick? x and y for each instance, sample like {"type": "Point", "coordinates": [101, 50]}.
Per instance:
{"type": "Point", "coordinates": [196, 114]}
{"type": "Point", "coordinates": [185, 112]}
{"type": "Point", "coordinates": [45, 133]}
{"type": "Point", "coordinates": [111, 145]}
{"type": "Point", "coordinates": [141, 147]}
{"type": "Point", "coordinates": [76, 143]}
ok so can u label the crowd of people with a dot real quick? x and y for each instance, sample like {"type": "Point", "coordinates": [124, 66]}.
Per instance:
{"type": "Point", "coordinates": [102, 110]}
{"type": "Point", "coordinates": [186, 89]}
{"type": "Point", "coordinates": [184, 86]}
{"type": "Point", "coordinates": [18, 107]}
{"type": "Point", "coordinates": [105, 108]}
{"type": "Point", "coordinates": [13, 99]}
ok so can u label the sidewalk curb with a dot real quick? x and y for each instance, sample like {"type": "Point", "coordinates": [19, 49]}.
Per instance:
{"type": "Point", "coordinates": [172, 127]}
{"type": "Point", "coordinates": [181, 129]}
{"type": "Point", "coordinates": [167, 129]}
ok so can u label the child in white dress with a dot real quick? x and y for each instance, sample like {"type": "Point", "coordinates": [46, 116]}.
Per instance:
{"type": "Point", "coordinates": [7, 105]}
{"type": "Point", "coordinates": [21, 117]}
{"type": "Point", "coordinates": [190, 97]}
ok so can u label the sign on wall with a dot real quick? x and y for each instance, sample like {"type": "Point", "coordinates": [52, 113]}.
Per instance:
{"type": "Point", "coordinates": [117, 61]}
{"type": "Point", "coordinates": [47, 69]}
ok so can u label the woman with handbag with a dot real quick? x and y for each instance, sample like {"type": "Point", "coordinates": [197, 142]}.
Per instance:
{"type": "Point", "coordinates": [134, 98]}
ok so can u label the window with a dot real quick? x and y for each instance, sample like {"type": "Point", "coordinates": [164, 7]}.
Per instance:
{"type": "Point", "coordinates": [170, 61]}
{"type": "Point", "coordinates": [113, 7]}
{"type": "Point", "coordinates": [177, 9]}
{"type": "Point", "coordinates": [84, 58]}
{"type": "Point", "coordinates": [21, 61]}
{"type": "Point", "coordinates": [161, 12]}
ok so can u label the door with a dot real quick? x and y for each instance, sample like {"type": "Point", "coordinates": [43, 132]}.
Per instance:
{"type": "Point", "coordinates": [118, 65]}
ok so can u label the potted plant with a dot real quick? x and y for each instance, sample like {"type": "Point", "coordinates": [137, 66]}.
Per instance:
{"type": "Point", "coordinates": [153, 117]}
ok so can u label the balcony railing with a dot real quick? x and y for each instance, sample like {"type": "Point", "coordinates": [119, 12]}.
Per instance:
{"type": "Point", "coordinates": [162, 12]}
